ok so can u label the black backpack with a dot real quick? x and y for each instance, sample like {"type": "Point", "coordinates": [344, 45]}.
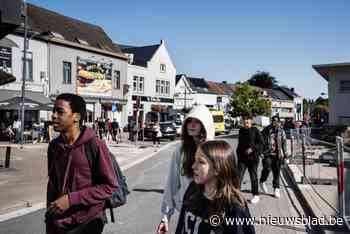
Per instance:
{"type": "Point", "coordinates": [119, 196]}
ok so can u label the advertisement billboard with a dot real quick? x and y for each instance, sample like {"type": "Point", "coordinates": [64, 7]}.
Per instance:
{"type": "Point", "coordinates": [94, 78]}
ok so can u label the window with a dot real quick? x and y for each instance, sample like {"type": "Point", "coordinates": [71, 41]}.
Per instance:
{"type": "Point", "coordinates": [345, 86]}
{"type": "Point", "coordinates": [162, 87]}
{"type": "Point", "coordinates": [116, 83]}
{"type": "Point", "coordinates": [157, 86]}
{"type": "Point", "coordinates": [167, 88]}
{"type": "Point", "coordinates": [162, 67]}
{"type": "Point", "coordinates": [67, 72]}
{"type": "Point", "coordinates": [138, 85]}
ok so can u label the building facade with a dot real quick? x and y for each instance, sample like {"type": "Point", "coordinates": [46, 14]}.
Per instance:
{"type": "Point", "coordinates": [191, 91]}
{"type": "Point", "coordinates": [338, 77]}
{"type": "Point", "coordinates": [68, 55]}
{"type": "Point", "coordinates": [151, 77]}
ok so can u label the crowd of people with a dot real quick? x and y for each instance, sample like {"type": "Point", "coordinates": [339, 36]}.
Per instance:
{"type": "Point", "coordinates": [204, 178]}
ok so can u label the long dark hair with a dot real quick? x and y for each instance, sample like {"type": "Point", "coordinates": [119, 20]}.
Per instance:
{"type": "Point", "coordinates": [227, 193]}
{"type": "Point", "coordinates": [189, 148]}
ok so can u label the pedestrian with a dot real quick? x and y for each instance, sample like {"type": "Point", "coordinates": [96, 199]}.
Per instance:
{"type": "Point", "coordinates": [198, 127]}
{"type": "Point", "coordinates": [74, 203]}
{"type": "Point", "coordinates": [101, 128]}
{"type": "Point", "coordinates": [16, 126]}
{"type": "Point", "coordinates": [157, 134]}
{"type": "Point", "coordinates": [115, 130]}
{"type": "Point", "coordinates": [274, 154]}
{"type": "Point", "coordinates": [214, 194]}
{"type": "Point", "coordinates": [250, 146]}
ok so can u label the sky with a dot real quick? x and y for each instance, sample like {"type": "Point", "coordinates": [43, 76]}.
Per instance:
{"type": "Point", "coordinates": [227, 40]}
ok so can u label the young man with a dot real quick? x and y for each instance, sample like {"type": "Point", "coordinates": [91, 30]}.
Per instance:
{"type": "Point", "coordinates": [74, 203]}
{"type": "Point", "coordinates": [250, 145]}
{"type": "Point", "coordinates": [274, 154]}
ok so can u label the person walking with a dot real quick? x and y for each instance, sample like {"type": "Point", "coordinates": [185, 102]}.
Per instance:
{"type": "Point", "coordinates": [16, 126]}
{"type": "Point", "coordinates": [115, 130]}
{"type": "Point", "coordinates": [197, 127]}
{"type": "Point", "coordinates": [74, 203]}
{"type": "Point", "coordinates": [214, 194]}
{"type": "Point", "coordinates": [157, 134]}
{"type": "Point", "coordinates": [250, 145]}
{"type": "Point", "coordinates": [274, 154]}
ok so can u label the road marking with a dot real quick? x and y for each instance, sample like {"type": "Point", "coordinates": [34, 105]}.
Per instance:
{"type": "Point", "coordinates": [42, 205]}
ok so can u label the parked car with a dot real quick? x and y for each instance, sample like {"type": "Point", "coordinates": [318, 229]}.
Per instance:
{"type": "Point", "coordinates": [178, 126]}
{"type": "Point", "coordinates": [168, 130]}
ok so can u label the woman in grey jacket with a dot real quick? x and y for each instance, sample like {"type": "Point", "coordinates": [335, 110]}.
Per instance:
{"type": "Point", "coordinates": [197, 127]}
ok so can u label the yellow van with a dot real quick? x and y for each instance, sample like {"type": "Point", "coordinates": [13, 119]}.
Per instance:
{"type": "Point", "coordinates": [219, 122]}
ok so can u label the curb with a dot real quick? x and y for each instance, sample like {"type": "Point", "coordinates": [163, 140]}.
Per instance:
{"type": "Point", "coordinates": [300, 196]}
{"type": "Point", "coordinates": [42, 205]}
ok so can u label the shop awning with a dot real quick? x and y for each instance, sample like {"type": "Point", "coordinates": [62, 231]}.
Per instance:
{"type": "Point", "coordinates": [16, 103]}
{"type": "Point", "coordinates": [6, 78]}
{"type": "Point", "coordinates": [6, 42]}
{"type": "Point", "coordinates": [35, 96]}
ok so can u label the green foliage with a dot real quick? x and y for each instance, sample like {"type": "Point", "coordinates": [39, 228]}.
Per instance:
{"type": "Point", "coordinates": [249, 101]}
{"type": "Point", "coordinates": [263, 79]}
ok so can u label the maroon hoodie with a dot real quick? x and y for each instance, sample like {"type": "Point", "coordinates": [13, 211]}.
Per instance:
{"type": "Point", "coordinates": [86, 200]}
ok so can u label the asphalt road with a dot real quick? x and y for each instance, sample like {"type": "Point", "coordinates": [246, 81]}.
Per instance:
{"type": "Point", "coordinates": [142, 212]}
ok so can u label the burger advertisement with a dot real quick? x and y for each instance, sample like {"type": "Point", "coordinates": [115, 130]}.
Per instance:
{"type": "Point", "coordinates": [94, 78]}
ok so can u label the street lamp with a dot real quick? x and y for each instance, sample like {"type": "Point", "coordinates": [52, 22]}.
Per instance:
{"type": "Point", "coordinates": [24, 71]}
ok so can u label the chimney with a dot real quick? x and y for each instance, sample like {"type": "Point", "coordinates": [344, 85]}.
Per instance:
{"type": "Point", "coordinates": [162, 42]}
{"type": "Point", "coordinates": [292, 89]}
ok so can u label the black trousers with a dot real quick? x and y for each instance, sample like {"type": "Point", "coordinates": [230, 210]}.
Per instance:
{"type": "Point", "coordinates": [155, 138]}
{"type": "Point", "coordinates": [252, 167]}
{"type": "Point", "coordinates": [271, 163]}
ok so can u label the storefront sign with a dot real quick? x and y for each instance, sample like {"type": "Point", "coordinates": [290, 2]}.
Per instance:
{"type": "Point", "coordinates": [94, 78]}
{"type": "Point", "coordinates": [5, 59]}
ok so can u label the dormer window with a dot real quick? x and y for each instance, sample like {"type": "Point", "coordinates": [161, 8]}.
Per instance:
{"type": "Point", "coordinates": [57, 35]}
{"type": "Point", "coordinates": [162, 67]}
{"type": "Point", "coordinates": [83, 42]}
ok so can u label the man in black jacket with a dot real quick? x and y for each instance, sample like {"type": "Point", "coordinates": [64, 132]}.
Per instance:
{"type": "Point", "coordinates": [250, 145]}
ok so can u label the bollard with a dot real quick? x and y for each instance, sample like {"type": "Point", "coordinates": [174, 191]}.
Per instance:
{"type": "Point", "coordinates": [340, 174]}
{"type": "Point", "coordinates": [304, 156]}
{"type": "Point", "coordinates": [8, 155]}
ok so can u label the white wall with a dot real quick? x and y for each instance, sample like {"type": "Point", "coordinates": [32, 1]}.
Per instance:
{"type": "Point", "coordinates": [39, 56]}
{"type": "Point", "coordinates": [338, 101]}
{"type": "Point", "coordinates": [152, 73]}
{"type": "Point", "coordinates": [58, 54]}
{"type": "Point", "coordinates": [179, 95]}
{"type": "Point", "coordinates": [205, 99]}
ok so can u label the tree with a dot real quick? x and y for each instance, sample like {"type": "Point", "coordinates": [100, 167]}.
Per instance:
{"type": "Point", "coordinates": [263, 80]}
{"type": "Point", "coordinates": [249, 101]}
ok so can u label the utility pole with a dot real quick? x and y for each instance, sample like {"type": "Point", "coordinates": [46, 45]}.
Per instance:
{"type": "Point", "coordinates": [25, 45]}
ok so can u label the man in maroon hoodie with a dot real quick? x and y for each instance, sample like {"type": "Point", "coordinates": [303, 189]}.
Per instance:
{"type": "Point", "coordinates": [74, 203]}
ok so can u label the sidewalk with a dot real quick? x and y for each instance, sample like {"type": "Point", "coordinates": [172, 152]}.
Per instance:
{"type": "Point", "coordinates": [320, 196]}
{"type": "Point", "coordinates": [23, 185]}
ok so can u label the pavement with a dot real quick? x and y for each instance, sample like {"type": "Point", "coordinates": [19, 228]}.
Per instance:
{"type": "Point", "coordinates": [319, 191]}
{"type": "Point", "coordinates": [25, 181]}
{"type": "Point", "coordinates": [23, 184]}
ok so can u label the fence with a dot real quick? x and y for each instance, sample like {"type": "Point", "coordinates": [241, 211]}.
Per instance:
{"type": "Point", "coordinates": [324, 166]}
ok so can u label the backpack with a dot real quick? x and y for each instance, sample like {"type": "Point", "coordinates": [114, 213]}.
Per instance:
{"type": "Point", "coordinates": [119, 197]}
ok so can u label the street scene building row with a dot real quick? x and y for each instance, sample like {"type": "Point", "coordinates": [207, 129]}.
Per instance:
{"type": "Point", "coordinates": [118, 81]}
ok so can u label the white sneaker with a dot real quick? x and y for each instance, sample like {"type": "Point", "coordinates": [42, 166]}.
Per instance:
{"type": "Point", "coordinates": [263, 187]}
{"type": "Point", "coordinates": [277, 193]}
{"type": "Point", "coordinates": [255, 199]}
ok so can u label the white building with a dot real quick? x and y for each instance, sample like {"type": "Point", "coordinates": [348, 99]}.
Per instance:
{"type": "Point", "coordinates": [151, 77]}
{"type": "Point", "coordinates": [338, 77]}
{"type": "Point", "coordinates": [191, 91]}
{"type": "Point", "coordinates": [68, 55]}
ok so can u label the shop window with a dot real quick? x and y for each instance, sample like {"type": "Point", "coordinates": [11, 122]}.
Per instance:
{"type": "Point", "coordinates": [345, 86]}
